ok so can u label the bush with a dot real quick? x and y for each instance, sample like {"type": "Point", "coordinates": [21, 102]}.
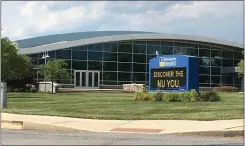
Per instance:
{"type": "Point", "coordinates": [142, 96]}
{"type": "Point", "coordinates": [191, 96]}
{"type": "Point", "coordinates": [209, 96]}
{"type": "Point", "coordinates": [226, 89]}
{"type": "Point", "coordinates": [172, 97]}
{"type": "Point", "coordinates": [158, 96]}
{"type": "Point", "coordinates": [16, 90]}
{"type": "Point", "coordinates": [33, 90]}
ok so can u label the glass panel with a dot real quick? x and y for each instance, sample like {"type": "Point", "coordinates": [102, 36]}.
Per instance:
{"type": "Point", "coordinates": [63, 54]}
{"type": "Point", "coordinates": [94, 65]}
{"type": "Point", "coordinates": [215, 62]}
{"type": "Point", "coordinates": [215, 70]}
{"type": "Point", "coordinates": [166, 50]}
{"type": "Point", "coordinates": [205, 61]}
{"type": "Point", "coordinates": [79, 55]}
{"type": "Point", "coordinates": [51, 54]}
{"type": "Point", "coordinates": [33, 55]}
{"type": "Point", "coordinates": [141, 58]}
{"type": "Point", "coordinates": [138, 77]}
{"type": "Point", "coordinates": [204, 70]}
{"type": "Point", "coordinates": [227, 79]}
{"type": "Point", "coordinates": [125, 67]}
{"type": "Point", "coordinates": [227, 62]}
{"type": "Point", "coordinates": [215, 80]}
{"type": "Point", "coordinates": [110, 76]}
{"type": "Point", "coordinates": [124, 57]}
{"type": "Point", "coordinates": [79, 65]}
{"type": "Point", "coordinates": [90, 82]}
{"type": "Point", "coordinates": [127, 48]}
{"type": "Point", "coordinates": [216, 53]}
{"type": "Point", "coordinates": [139, 67]}
{"type": "Point", "coordinates": [109, 83]}
{"type": "Point", "coordinates": [95, 56]}
{"type": "Point", "coordinates": [192, 52]}
{"type": "Point", "coordinates": [236, 62]}
{"type": "Point", "coordinates": [149, 57]}
{"type": "Point", "coordinates": [124, 76]}
{"type": "Point", "coordinates": [227, 54]}
{"type": "Point", "coordinates": [110, 47]}
{"type": "Point", "coordinates": [110, 56]}
{"type": "Point", "coordinates": [204, 79]}
{"type": "Point", "coordinates": [110, 66]}
{"type": "Point", "coordinates": [204, 52]}
{"type": "Point", "coordinates": [80, 48]}
{"type": "Point", "coordinates": [151, 49]}
{"type": "Point", "coordinates": [137, 48]}
{"type": "Point", "coordinates": [78, 79]}
{"type": "Point", "coordinates": [83, 79]}
{"type": "Point", "coordinates": [238, 55]}
{"type": "Point", "coordinates": [96, 79]}
{"type": "Point", "coordinates": [95, 47]}
{"type": "Point", "coordinates": [204, 85]}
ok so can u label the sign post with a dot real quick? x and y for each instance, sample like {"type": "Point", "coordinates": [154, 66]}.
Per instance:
{"type": "Point", "coordinates": [173, 73]}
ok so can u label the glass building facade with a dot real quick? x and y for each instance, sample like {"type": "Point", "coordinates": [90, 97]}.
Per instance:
{"type": "Point", "coordinates": [125, 62]}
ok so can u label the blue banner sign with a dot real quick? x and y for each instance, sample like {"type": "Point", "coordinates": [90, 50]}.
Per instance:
{"type": "Point", "coordinates": [173, 73]}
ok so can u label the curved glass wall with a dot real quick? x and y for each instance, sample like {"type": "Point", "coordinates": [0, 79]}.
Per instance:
{"type": "Point", "coordinates": [127, 61]}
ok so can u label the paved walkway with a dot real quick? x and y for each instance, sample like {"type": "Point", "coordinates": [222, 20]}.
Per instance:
{"type": "Point", "coordinates": [145, 126]}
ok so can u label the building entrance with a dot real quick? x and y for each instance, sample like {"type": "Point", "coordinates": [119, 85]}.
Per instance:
{"type": "Point", "coordinates": [86, 79]}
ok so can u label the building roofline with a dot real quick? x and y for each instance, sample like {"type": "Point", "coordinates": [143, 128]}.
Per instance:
{"type": "Point", "coordinates": [125, 37]}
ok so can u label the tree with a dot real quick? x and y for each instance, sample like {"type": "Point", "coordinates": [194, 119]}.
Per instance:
{"type": "Point", "coordinates": [13, 65]}
{"type": "Point", "coordinates": [241, 67]}
{"type": "Point", "coordinates": [55, 70]}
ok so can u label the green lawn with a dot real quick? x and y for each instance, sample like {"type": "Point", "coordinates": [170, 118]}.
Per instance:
{"type": "Point", "coordinates": [122, 106]}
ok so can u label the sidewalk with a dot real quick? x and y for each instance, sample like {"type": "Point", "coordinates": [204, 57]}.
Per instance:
{"type": "Point", "coordinates": [136, 126]}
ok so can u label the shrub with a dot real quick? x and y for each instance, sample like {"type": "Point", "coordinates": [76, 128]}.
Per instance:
{"type": "Point", "coordinates": [158, 96]}
{"type": "Point", "coordinates": [33, 89]}
{"type": "Point", "coordinates": [16, 90]}
{"type": "Point", "coordinates": [209, 96]}
{"type": "Point", "coordinates": [142, 96]}
{"type": "Point", "coordinates": [172, 97]}
{"type": "Point", "coordinates": [226, 89]}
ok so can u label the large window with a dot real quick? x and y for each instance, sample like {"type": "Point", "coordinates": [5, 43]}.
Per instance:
{"type": "Point", "coordinates": [128, 61]}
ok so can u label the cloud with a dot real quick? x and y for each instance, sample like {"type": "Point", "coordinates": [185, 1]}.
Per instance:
{"type": "Point", "coordinates": [208, 18]}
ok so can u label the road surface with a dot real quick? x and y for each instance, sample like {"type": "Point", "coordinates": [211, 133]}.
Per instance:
{"type": "Point", "coordinates": [26, 137]}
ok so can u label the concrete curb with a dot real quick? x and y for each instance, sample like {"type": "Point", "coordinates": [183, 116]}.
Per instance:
{"type": "Point", "coordinates": [50, 127]}
{"type": "Point", "coordinates": [20, 125]}
{"type": "Point", "coordinates": [230, 133]}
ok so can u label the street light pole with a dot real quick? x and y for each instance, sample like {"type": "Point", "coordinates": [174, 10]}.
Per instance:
{"type": "Point", "coordinates": [45, 56]}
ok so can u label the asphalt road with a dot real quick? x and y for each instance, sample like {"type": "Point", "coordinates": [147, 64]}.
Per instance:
{"type": "Point", "coordinates": [24, 137]}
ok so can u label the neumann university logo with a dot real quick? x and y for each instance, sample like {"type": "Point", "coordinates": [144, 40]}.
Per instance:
{"type": "Point", "coordinates": [167, 61]}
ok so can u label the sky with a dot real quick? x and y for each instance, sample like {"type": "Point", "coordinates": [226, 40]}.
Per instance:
{"type": "Point", "coordinates": [222, 20]}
